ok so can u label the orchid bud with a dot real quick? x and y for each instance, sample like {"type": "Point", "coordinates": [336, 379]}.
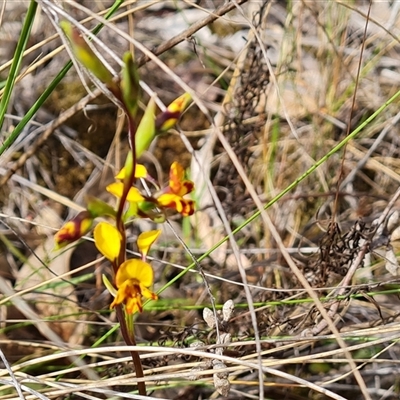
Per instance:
{"type": "Point", "coordinates": [130, 84]}
{"type": "Point", "coordinates": [74, 229]}
{"type": "Point", "coordinates": [146, 131]}
{"type": "Point", "coordinates": [167, 119]}
{"type": "Point", "coordinates": [85, 54]}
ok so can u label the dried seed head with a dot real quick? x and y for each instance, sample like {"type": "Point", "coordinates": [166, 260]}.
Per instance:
{"type": "Point", "coordinates": [193, 373]}
{"type": "Point", "coordinates": [208, 316]}
{"type": "Point", "coordinates": [227, 310]}
{"type": "Point", "coordinates": [391, 263]}
{"type": "Point", "coordinates": [222, 386]}
{"type": "Point", "coordinates": [225, 338]}
{"type": "Point", "coordinates": [197, 343]}
{"type": "Point", "coordinates": [221, 382]}
{"type": "Point", "coordinates": [393, 221]}
{"type": "Point", "coordinates": [219, 365]}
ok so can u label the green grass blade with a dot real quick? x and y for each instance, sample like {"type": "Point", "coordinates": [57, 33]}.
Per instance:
{"type": "Point", "coordinates": [33, 110]}
{"type": "Point", "coordinates": [47, 92]}
{"type": "Point", "coordinates": [17, 59]}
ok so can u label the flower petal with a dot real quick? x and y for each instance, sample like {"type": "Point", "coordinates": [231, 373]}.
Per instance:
{"type": "Point", "coordinates": [167, 119]}
{"type": "Point", "coordinates": [134, 269]}
{"type": "Point", "coordinates": [134, 304]}
{"type": "Point", "coordinates": [125, 291]}
{"type": "Point", "coordinates": [140, 172]}
{"type": "Point", "coordinates": [177, 183]}
{"type": "Point", "coordinates": [107, 240]}
{"type": "Point", "coordinates": [176, 175]}
{"type": "Point", "coordinates": [148, 293]}
{"type": "Point", "coordinates": [132, 280]}
{"type": "Point", "coordinates": [146, 239]}
{"type": "Point", "coordinates": [170, 200]}
{"type": "Point", "coordinates": [116, 188]}
{"type": "Point", "coordinates": [187, 187]}
{"type": "Point", "coordinates": [181, 205]}
{"type": "Point", "coordinates": [187, 207]}
{"type": "Point", "coordinates": [134, 196]}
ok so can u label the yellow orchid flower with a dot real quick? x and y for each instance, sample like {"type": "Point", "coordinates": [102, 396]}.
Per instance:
{"type": "Point", "coordinates": [177, 183]}
{"type": "Point", "coordinates": [172, 196]}
{"type": "Point", "coordinates": [167, 119]}
{"type": "Point", "coordinates": [133, 279]}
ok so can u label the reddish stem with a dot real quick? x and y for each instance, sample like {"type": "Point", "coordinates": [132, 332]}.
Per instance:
{"type": "Point", "coordinates": [130, 341]}
{"type": "Point", "coordinates": [127, 333]}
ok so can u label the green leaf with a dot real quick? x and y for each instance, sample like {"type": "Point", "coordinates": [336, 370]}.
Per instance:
{"type": "Point", "coordinates": [130, 84]}
{"type": "Point", "coordinates": [17, 59]}
{"type": "Point", "coordinates": [146, 130]}
{"type": "Point", "coordinates": [50, 88]}
{"type": "Point", "coordinates": [99, 208]}
{"type": "Point", "coordinates": [109, 286]}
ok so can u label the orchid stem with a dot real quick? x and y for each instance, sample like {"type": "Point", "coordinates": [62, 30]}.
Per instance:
{"type": "Point", "coordinates": [130, 341]}
{"type": "Point", "coordinates": [127, 331]}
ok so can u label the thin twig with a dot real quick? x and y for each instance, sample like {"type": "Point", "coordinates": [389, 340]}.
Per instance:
{"type": "Point", "coordinates": [377, 142]}
{"type": "Point", "coordinates": [191, 30]}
